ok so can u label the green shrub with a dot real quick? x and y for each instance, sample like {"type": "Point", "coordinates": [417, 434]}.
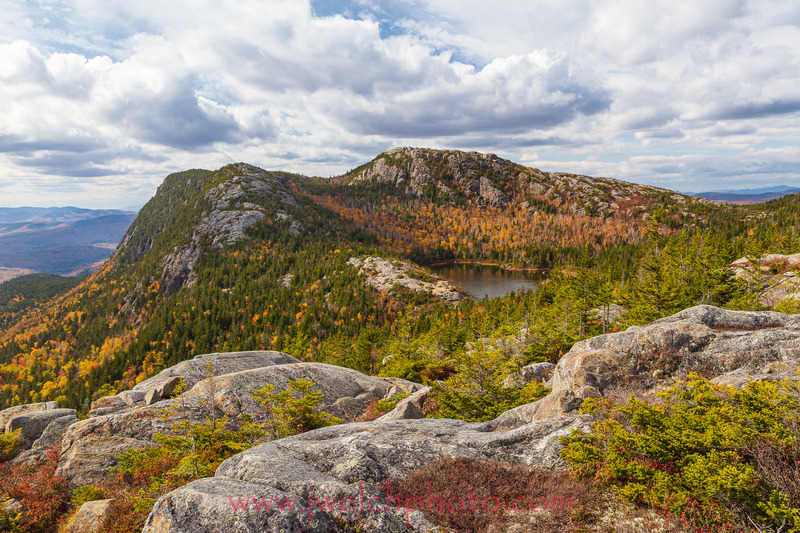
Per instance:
{"type": "Point", "coordinates": [788, 305]}
{"type": "Point", "coordinates": [478, 390]}
{"type": "Point", "coordinates": [390, 403]}
{"type": "Point", "coordinates": [9, 444]}
{"type": "Point", "coordinates": [86, 493]}
{"type": "Point", "coordinates": [693, 453]}
{"type": "Point", "coordinates": [294, 410]}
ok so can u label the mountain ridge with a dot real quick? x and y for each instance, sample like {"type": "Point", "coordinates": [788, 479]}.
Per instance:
{"type": "Point", "coordinates": [242, 258]}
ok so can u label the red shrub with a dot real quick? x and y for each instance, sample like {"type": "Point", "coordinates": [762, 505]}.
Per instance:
{"type": "Point", "coordinates": [43, 495]}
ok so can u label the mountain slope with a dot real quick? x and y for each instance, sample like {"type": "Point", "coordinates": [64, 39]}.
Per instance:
{"type": "Point", "coordinates": [242, 258]}
{"type": "Point", "coordinates": [441, 205]}
{"type": "Point", "coordinates": [223, 260]}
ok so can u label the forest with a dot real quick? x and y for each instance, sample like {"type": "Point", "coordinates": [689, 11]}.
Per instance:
{"type": "Point", "coordinates": [293, 291]}
{"type": "Point", "coordinates": [611, 255]}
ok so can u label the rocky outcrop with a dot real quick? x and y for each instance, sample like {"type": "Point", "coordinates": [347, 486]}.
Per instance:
{"type": "Point", "coordinates": [7, 414]}
{"type": "Point", "coordinates": [385, 275]}
{"type": "Point", "coordinates": [409, 408]}
{"type": "Point", "coordinates": [33, 424]}
{"type": "Point", "coordinates": [775, 275]}
{"type": "Point", "coordinates": [414, 171]}
{"type": "Point", "coordinates": [539, 372]}
{"type": "Point", "coordinates": [486, 180]}
{"type": "Point", "coordinates": [163, 384]}
{"type": "Point", "coordinates": [341, 462]}
{"type": "Point", "coordinates": [51, 436]}
{"type": "Point", "coordinates": [211, 365]}
{"type": "Point", "coordinates": [731, 347]}
{"type": "Point", "coordinates": [40, 426]}
{"type": "Point", "coordinates": [225, 223]}
{"type": "Point", "coordinates": [91, 447]}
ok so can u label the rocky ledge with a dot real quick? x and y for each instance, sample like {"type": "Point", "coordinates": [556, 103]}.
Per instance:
{"type": "Point", "coordinates": [353, 460]}
{"type": "Point", "coordinates": [341, 462]}
{"type": "Point", "coordinates": [728, 347]}
{"type": "Point", "coordinates": [89, 448]}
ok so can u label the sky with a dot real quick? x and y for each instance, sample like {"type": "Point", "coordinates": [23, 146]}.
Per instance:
{"type": "Point", "coordinates": [101, 99]}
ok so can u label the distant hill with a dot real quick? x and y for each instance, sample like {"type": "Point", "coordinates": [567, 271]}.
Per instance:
{"type": "Point", "coordinates": [58, 240]}
{"type": "Point", "coordinates": [750, 196]}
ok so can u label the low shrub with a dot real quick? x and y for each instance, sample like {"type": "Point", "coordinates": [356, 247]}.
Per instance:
{"type": "Point", "coordinates": [43, 496]}
{"type": "Point", "coordinates": [86, 493]}
{"type": "Point", "coordinates": [479, 390]}
{"type": "Point", "coordinates": [469, 496]}
{"type": "Point", "coordinates": [194, 450]}
{"type": "Point", "coordinates": [720, 456]}
{"type": "Point", "coordinates": [9, 444]}
{"type": "Point", "coordinates": [294, 410]}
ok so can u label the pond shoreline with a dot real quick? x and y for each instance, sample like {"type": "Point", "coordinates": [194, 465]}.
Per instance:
{"type": "Point", "coordinates": [487, 278]}
{"type": "Point", "coordinates": [535, 270]}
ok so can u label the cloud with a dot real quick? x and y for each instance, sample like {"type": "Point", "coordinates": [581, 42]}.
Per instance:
{"type": "Point", "coordinates": [755, 110]}
{"type": "Point", "coordinates": [102, 89]}
{"type": "Point", "coordinates": [510, 95]}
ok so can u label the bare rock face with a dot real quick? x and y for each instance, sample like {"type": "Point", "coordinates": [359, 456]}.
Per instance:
{"type": "Point", "coordinates": [224, 224]}
{"type": "Point", "coordinates": [7, 414]}
{"type": "Point", "coordinates": [539, 372]}
{"type": "Point", "coordinates": [191, 372]}
{"type": "Point", "coordinates": [341, 462]}
{"type": "Point", "coordinates": [41, 430]}
{"type": "Point", "coordinates": [91, 447]}
{"type": "Point", "coordinates": [411, 171]}
{"type": "Point", "coordinates": [52, 434]}
{"type": "Point", "coordinates": [731, 347]}
{"type": "Point", "coordinates": [219, 364]}
{"type": "Point", "coordinates": [493, 196]}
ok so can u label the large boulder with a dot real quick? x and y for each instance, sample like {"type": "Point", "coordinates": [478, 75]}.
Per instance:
{"type": "Point", "coordinates": [409, 408]}
{"type": "Point", "coordinates": [731, 347]}
{"type": "Point", "coordinates": [91, 447]}
{"type": "Point", "coordinates": [191, 372]}
{"type": "Point", "coordinates": [6, 414]}
{"type": "Point", "coordinates": [90, 517]}
{"type": "Point", "coordinates": [51, 436]}
{"type": "Point", "coordinates": [33, 423]}
{"type": "Point", "coordinates": [341, 462]}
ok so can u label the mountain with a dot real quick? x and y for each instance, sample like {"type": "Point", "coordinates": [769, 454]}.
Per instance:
{"type": "Point", "coordinates": [242, 258]}
{"type": "Point", "coordinates": [435, 205]}
{"type": "Point", "coordinates": [22, 293]}
{"type": "Point", "coordinates": [58, 240]}
{"type": "Point", "coordinates": [758, 195]}
{"type": "Point", "coordinates": [232, 287]}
